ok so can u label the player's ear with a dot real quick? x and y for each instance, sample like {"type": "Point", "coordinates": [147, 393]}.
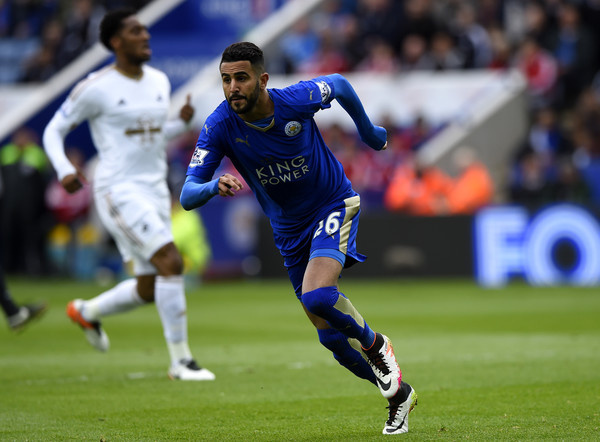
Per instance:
{"type": "Point", "coordinates": [264, 78]}
{"type": "Point", "coordinates": [115, 42]}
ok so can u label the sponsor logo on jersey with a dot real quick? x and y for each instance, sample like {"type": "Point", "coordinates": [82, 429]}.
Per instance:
{"type": "Point", "coordinates": [292, 128]}
{"type": "Point", "coordinates": [325, 91]}
{"type": "Point", "coordinates": [279, 172]}
{"type": "Point", "coordinates": [146, 128]}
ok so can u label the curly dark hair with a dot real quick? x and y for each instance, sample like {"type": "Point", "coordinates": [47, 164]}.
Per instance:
{"type": "Point", "coordinates": [113, 23]}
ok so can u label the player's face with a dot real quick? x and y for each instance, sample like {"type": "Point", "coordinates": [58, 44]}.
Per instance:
{"type": "Point", "coordinates": [134, 41]}
{"type": "Point", "coordinates": [241, 85]}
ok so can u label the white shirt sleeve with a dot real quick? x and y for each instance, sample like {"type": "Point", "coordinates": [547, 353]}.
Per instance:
{"type": "Point", "coordinates": [76, 108]}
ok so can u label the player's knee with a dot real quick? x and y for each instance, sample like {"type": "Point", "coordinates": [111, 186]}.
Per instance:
{"type": "Point", "coordinates": [168, 261]}
{"type": "Point", "coordinates": [145, 288]}
{"type": "Point", "coordinates": [175, 265]}
{"type": "Point", "coordinates": [320, 300]}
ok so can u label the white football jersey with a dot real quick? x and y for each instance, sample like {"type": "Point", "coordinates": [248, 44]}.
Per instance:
{"type": "Point", "coordinates": [128, 123]}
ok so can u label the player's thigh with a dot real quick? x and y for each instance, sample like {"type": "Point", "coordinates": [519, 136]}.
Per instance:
{"type": "Point", "coordinates": [139, 226]}
{"type": "Point", "coordinates": [321, 272]}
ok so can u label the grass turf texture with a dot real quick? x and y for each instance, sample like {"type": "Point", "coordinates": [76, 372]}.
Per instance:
{"type": "Point", "coordinates": [519, 363]}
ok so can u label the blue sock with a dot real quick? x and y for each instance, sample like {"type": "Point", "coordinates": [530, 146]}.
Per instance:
{"type": "Point", "coordinates": [345, 354]}
{"type": "Point", "coordinates": [338, 311]}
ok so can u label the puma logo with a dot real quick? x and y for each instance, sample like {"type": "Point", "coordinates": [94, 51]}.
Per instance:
{"type": "Point", "coordinates": [239, 140]}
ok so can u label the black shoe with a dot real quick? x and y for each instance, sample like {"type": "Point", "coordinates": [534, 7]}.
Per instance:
{"type": "Point", "coordinates": [26, 314]}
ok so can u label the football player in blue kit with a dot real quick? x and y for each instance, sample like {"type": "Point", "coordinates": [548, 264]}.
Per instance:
{"type": "Point", "coordinates": [274, 143]}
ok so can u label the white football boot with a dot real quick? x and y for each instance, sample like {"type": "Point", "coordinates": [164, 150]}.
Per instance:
{"type": "Point", "coordinates": [400, 406]}
{"type": "Point", "coordinates": [92, 329]}
{"type": "Point", "coordinates": [384, 365]}
{"type": "Point", "coordinates": [190, 371]}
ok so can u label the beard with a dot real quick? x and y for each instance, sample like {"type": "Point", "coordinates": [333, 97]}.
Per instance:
{"type": "Point", "coordinates": [248, 105]}
{"type": "Point", "coordinates": [138, 59]}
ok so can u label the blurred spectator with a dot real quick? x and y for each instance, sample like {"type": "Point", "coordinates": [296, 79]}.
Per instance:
{"type": "Point", "coordinates": [473, 40]}
{"type": "Point", "coordinates": [417, 18]}
{"type": "Point", "coordinates": [531, 182]}
{"type": "Point", "coordinates": [25, 172]}
{"type": "Point", "coordinates": [45, 35]}
{"type": "Point", "coordinates": [40, 66]}
{"type": "Point", "coordinates": [380, 58]}
{"type": "Point", "coordinates": [537, 24]}
{"type": "Point", "coordinates": [575, 50]}
{"type": "Point", "coordinates": [81, 27]}
{"type": "Point", "coordinates": [69, 208]}
{"type": "Point", "coordinates": [414, 55]}
{"type": "Point", "coordinates": [299, 45]}
{"type": "Point", "coordinates": [416, 189]}
{"type": "Point", "coordinates": [587, 160]}
{"type": "Point", "coordinates": [51, 41]}
{"type": "Point", "coordinates": [330, 57]}
{"type": "Point", "coordinates": [569, 185]}
{"type": "Point", "coordinates": [444, 53]}
{"type": "Point", "coordinates": [546, 137]}
{"type": "Point", "coordinates": [345, 148]}
{"type": "Point", "coordinates": [379, 20]}
{"type": "Point", "coordinates": [501, 50]}
{"type": "Point", "coordinates": [426, 190]}
{"type": "Point", "coordinates": [472, 189]}
{"type": "Point", "coordinates": [418, 133]}
{"type": "Point", "coordinates": [189, 235]}
{"type": "Point", "coordinates": [490, 13]}
{"type": "Point", "coordinates": [25, 18]}
{"type": "Point", "coordinates": [73, 241]}
{"type": "Point", "coordinates": [540, 70]}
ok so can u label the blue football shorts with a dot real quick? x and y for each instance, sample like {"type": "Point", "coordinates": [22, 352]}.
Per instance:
{"type": "Point", "coordinates": [333, 236]}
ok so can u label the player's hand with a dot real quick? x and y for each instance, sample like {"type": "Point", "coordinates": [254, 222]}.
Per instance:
{"type": "Point", "coordinates": [376, 139]}
{"type": "Point", "coordinates": [229, 185]}
{"type": "Point", "coordinates": [186, 113]}
{"type": "Point", "coordinates": [73, 182]}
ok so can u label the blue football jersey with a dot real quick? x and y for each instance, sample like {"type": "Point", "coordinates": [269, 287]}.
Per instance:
{"type": "Point", "coordinates": [288, 166]}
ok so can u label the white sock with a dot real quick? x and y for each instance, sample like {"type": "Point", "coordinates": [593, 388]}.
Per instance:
{"type": "Point", "coordinates": [121, 298]}
{"type": "Point", "coordinates": [169, 296]}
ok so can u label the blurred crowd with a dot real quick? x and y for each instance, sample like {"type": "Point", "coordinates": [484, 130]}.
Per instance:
{"type": "Point", "coordinates": [553, 43]}
{"type": "Point", "coordinates": [40, 37]}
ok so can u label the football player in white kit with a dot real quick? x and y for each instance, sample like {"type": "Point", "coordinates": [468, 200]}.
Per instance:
{"type": "Point", "coordinates": [126, 105]}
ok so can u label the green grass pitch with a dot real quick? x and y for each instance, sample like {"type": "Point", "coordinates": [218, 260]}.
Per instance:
{"type": "Point", "coordinates": [518, 363]}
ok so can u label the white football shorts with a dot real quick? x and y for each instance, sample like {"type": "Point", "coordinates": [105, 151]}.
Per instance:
{"type": "Point", "coordinates": [139, 221]}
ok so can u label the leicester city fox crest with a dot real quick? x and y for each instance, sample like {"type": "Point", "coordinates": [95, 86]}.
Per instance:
{"type": "Point", "coordinates": [293, 128]}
